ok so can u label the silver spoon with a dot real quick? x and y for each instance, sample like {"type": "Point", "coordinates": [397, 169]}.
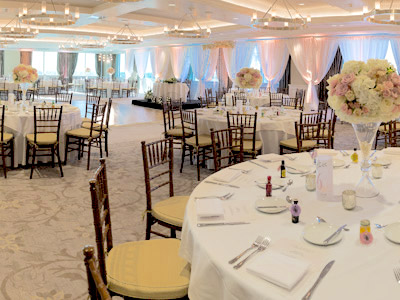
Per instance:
{"type": "Point", "coordinates": [289, 199]}
{"type": "Point", "coordinates": [287, 185]}
{"type": "Point", "coordinates": [321, 220]}
{"type": "Point", "coordinates": [380, 226]}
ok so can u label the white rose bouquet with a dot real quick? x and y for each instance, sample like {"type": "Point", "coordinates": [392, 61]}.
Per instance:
{"type": "Point", "coordinates": [249, 78]}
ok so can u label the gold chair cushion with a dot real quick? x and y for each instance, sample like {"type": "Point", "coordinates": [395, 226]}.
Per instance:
{"type": "Point", "coordinates": [292, 143]}
{"type": "Point", "coordinates": [248, 146]}
{"type": "Point", "coordinates": [42, 138]}
{"type": "Point", "coordinates": [83, 133]}
{"type": "Point", "coordinates": [177, 132]}
{"type": "Point", "coordinates": [148, 270]}
{"type": "Point", "coordinates": [96, 126]}
{"type": "Point", "coordinates": [204, 141]}
{"type": "Point", "coordinates": [6, 137]}
{"type": "Point", "coordinates": [171, 210]}
{"type": "Point", "coordinates": [86, 120]}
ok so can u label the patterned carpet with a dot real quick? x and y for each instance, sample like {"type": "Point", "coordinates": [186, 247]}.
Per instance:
{"type": "Point", "coordinates": [46, 221]}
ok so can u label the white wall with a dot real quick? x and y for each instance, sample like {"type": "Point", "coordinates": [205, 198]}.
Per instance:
{"type": "Point", "coordinates": [295, 75]}
{"type": "Point", "coordinates": [11, 60]}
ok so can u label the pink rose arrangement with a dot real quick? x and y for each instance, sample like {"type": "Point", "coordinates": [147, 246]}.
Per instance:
{"type": "Point", "coordinates": [249, 78]}
{"type": "Point", "coordinates": [365, 92]}
{"type": "Point", "coordinates": [25, 74]}
{"type": "Point", "coordinates": [110, 70]}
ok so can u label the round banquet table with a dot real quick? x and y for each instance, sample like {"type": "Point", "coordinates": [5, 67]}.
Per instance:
{"type": "Point", "coordinates": [11, 86]}
{"type": "Point", "coordinates": [109, 85]}
{"type": "Point", "coordinates": [254, 99]}
{"type": "Point", "coordinates": [359, 272]}
{"type": "Point", "coordinates": [271, 129]}
{"type": "Point", "coordinates": [21, 123]}
{"type": "Point", "coordinates": [176, 90]}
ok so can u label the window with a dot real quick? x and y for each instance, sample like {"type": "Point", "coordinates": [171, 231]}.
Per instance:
{"type": "Point", "coordinates": [37, 61]}
{"type": "Point", "coordinates": [122, 59]}
{"type": "Point", "coordinates": [50, 63]}
{"type": "Point", "coordinates": [85, 60]}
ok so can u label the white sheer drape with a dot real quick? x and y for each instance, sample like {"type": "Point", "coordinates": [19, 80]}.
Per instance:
{"type": "Point", "coordinates": [363, 47]}
{"type": "Point", "coordinates": [238, 58]}
{"type": "Point", "coordinates": [395, 42]}
{"type": "Point", "coordinates": [160, 59]}
{"type": "Point", "coordinates": [274, 56]}
{"type": "Point", "coordinates": [129, 63]}
{"type": "Point", "coordinates": [180, 62]}
{"type": "Point", "coordinates": [204, 64]}
{"type": "Point", "coordinates": [313, 57]}
{"type": "Point", "coordinates": [141, 59]}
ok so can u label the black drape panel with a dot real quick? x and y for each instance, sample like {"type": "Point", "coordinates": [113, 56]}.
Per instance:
{"type": "Point", "coordinates": [99, 66]}
{"type": "Point", "coordinates": [66, 64]}
{"type": "Point", "coordinates": [285, 81]}
{"type": "Point", "coordinates": [335, 68]}
{"type": "Point", "coordinates": [1, 62]}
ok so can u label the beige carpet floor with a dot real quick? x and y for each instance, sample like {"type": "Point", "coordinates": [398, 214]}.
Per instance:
{"type": "Point", "coordinates": [46, 221]}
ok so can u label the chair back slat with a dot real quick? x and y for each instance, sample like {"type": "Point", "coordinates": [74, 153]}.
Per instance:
{"type": "Point", "coordinates": [101, 215]}
{"type": "Point", "coordinates": [275, 99]}
{"type": "Point", "coordinates": [64, 98]}
{"type": "Point", "coordinates": [155, 155]}
{"type": "Point", "coordinates": [189, 124]}
{"type": "Point", "coordinates": [311, 118]}
{"type": "Point", "coordinates": [249, 123]}
{"type": "Point", "coordinates": [2, 111]}
{"type": "Point", "coordinates": [47, 120]}
{"type": "Point", "coordinates": [90, 100]}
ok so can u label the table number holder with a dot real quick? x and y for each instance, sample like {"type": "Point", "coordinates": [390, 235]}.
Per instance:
{"type": "Point", "coordinates": [324, 178]}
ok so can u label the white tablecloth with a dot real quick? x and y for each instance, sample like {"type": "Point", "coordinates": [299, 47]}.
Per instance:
{"type": "Point", "coordinates": [270, 128]}
{"type": "Point", "coordinates": [176, 90]}
{"type": "Point", "coordinates": [360, 271]}
{"type": "Point", "coordinates": [109, 85]}
{"type": "Point", "coordinates": [255, 100]}
{"type": "Point", "coordinates": [11, 86]}
{"type": "Point", "coordinates": [21, 123]}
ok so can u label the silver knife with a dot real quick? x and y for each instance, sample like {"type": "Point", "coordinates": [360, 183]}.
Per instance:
{"type": "Point", "coordinates": [273, 206]}
{"type": "Point", "coordinates": [224, 184]}
{"type": "Point", "coordinates": [221, 223]}
{"type": "Point", "coordinates": [335, 233]}
{"type": "Point", "coordinates": [253, 162]}
{"type": "Point", "coordinates": [322, 275]}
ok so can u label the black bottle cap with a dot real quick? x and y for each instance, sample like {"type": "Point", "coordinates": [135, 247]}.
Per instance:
{"type": "Point", "coordinates": [355, 149]}
{"type": "Point", "coordinates": [283, 162]}
{"type": "Point", "coordinates": [295, 201]}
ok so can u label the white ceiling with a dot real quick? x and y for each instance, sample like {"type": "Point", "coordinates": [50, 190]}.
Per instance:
{"type": "Point", "coordinates": [228, 19]}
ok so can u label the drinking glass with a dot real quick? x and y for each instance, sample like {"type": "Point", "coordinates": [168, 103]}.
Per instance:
{"type": "Point", "coordinates": [311, 182]}
{"type": "Point", "coordinates": [349, 199]}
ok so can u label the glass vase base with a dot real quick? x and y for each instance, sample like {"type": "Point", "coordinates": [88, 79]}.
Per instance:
{"type": "Point", "coordinates": [366, 188]}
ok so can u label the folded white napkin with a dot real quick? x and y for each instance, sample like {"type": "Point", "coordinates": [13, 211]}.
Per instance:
{"type": "Point", "coordinates": [278, 269]}
{"type": "Point", "coordinates": [300, 168]}
{"type": "Point", "coordinates": [209, 207]}
{"type": "Point", "coordinates": [227, 175]}
{"type": "Point", "coordinates": [330, 152]}
{"type": "Point", "coordinates": [271, 157]}
{"type": "Point", "coordinates": [392, 151]}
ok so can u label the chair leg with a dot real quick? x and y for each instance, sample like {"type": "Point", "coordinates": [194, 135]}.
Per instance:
{"type": "Point", "coordinates": [191, 156]}
{"type": "Point", "coordinates": [148, 225]}
{"type": "Point", "coordinates": [106, 142]}
{"type": "Point", "coordinates": [376, 139]}
{"type": "Point", "coordinates": [27, 154]}
{"type": "Point", "coordinates": [12, 153]}
{"type": "Point", "coordinates": [33, 160]}
{"type": "Point", "coordinates": [173, 233]}
{"type": "Point", "coordinates": [88, 156]}
{"type": "Point", "coordinates": [198, 164]}
{"type": "Point", "coordinates": [52, 157]}
{"type": "Point", "coordinates": [3, 156]}
{"type": "Point", "coordinates": [59, 160]}
{"type": "Point", "coordinates": [66, 150]}
{"type": "Point", "coordinates": [101, 148]}
{"type": "Point", "coordinates": [183, 156]}
{"type": "Point", "coordinates": [280, 150]}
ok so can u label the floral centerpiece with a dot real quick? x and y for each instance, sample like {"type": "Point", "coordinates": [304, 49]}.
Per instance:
{"type": "Point", "coordinates": [365, 94]}
{"type": "Point", "coordinates": [248, 78]}
{"type": "Point", "coordinates": [111, 70]}
{"type": "Point", "coordinates": [171, 80]}
{"type": "Point", "coordinates": [87, 70]}
{"type": "Point", "coordinates": [149, 95]}
{"type": "Point", "coordinates": [25, 75]}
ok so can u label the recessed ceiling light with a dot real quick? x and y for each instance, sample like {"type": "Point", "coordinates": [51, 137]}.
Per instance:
{"type": "Point", "coordinates": [301, 4]}
{"type": "Point", "coordinates": [235, 18]}
{"type": "Point", "coordinates": [171, 4]}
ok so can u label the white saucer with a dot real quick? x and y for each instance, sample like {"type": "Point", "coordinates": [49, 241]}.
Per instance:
{"type": "Point", "coordinates": [392, 232]}
{"type": "Point", "coordinates": [277, 182]}
{"type": "Point", "coordinates": [337, 163]}
{"type": "Point", "coordinates": [318, 232]}
{"type": "Point", "coordinates": [382, 161]}
{"type": "Point", "coordinates": [271, 201]}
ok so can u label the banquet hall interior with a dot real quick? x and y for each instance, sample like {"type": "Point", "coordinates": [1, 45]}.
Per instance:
{"type": "Point", "coordinates": [241, 149]}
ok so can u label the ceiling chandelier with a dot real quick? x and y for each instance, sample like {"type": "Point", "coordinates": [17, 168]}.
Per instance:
{"type": "Point", "coordinates": [17, 31]}
{"type": "Point", "coordinates": [5, 42]}
{"type": "Point", "coordinates": [56, 18]}
{"type": "Point", "coordinates": [196, 32]}
{"type": "Point", "coordinates": [93, 44]}
{"type": "Point", "coordinates": [383, 13]}
{"type": "Point", "coordinates": [105, 58]}
{"type": "Point", "coordinates": [70, 46]}
{"type": "Point", "coordinates": [128, 38]}
{"type": "Point", "coordinates": [273, 22]}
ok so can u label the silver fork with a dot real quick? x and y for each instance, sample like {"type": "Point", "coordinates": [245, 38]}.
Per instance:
{"type": "Point", "coordinates": [255, 244]}
{"type": "Point", "coordinates": [243, 171]}
{"type": "Point", "coordinates": [262, 247]}
{"type": "Point", "coordinates": [397, 274]}
{"type": "Point", "coordinates": [291, 157]}
{"type": "Point", "coordinates": [223, 197]}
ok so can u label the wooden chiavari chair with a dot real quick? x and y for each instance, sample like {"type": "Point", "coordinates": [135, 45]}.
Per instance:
{"type": "Point", "coordinates": [283, 91]}
{"type": "Point", "coordinates": [392, 136]}
{"type": "Point", "coordinates": [53, 88]}
{"type": "Point", "coordinates": [3, 90]}
{"type": "Point", "coordinates": [97, 288]}
{"type": "Point", "coordinates": [200, 145]}
{"type": "Point", "coordinates": [275, 99]}
{"type": "Point", "coordinates": [251, 145]}
{"type": "Point", "coordinates": [78, 139]}
{"type": "Point", "coordinates": [41, 87]}
{"type": "Point", "coordinates": [210, 100]}
{"type": "Point", "coordinates": [115, 91]}
{"type": "Point", "coordinates": [290, 103]}
{"type": "Point", "coordinates": [172, 122]}
{"type": "Point", "coordinates": [170, 211]}
{"type": "Point", "coordinates": [101, 90]}
{"type": "Point", "coordinates": [125, 268]}
{"type": "Point", "coordinates": [225, 143]}
{"type": "Point", "coordinates": [6, 144]}
{"type": "Point", "coordinates": [90, 100]}
{"type": "Point", "coordinates": [64, 98]}
{"type": "Point", "coordinates": [203, 102]}
{"type": "Point", "coordinates": [46, 136]}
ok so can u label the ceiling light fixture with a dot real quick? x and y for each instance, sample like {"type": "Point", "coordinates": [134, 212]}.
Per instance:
{"type": "Point", "coordinates": [17, 31]}
{"type": "Point", "coordinates": [93, 44]}
{"type": "Point", "coordinates": [70, 45]}
{"type": "Point", "coordinates": [383, 13]}
{"type": "Point", "coordinates": [125, 36]}
{"type": "Point", "coordinates": [105, 58]}
{"type": "Point", "coordinates": [293, 21]}
{"type": "Point", "coordinates": [56, 18]}
{"type": "Point", "coordinates": [196, 32]}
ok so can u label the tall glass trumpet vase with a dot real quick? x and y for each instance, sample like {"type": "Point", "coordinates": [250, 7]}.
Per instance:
{"type": "Point", "coordinates": [24, 87]}
{"type": "Point", "coordinates": [366, 132]}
